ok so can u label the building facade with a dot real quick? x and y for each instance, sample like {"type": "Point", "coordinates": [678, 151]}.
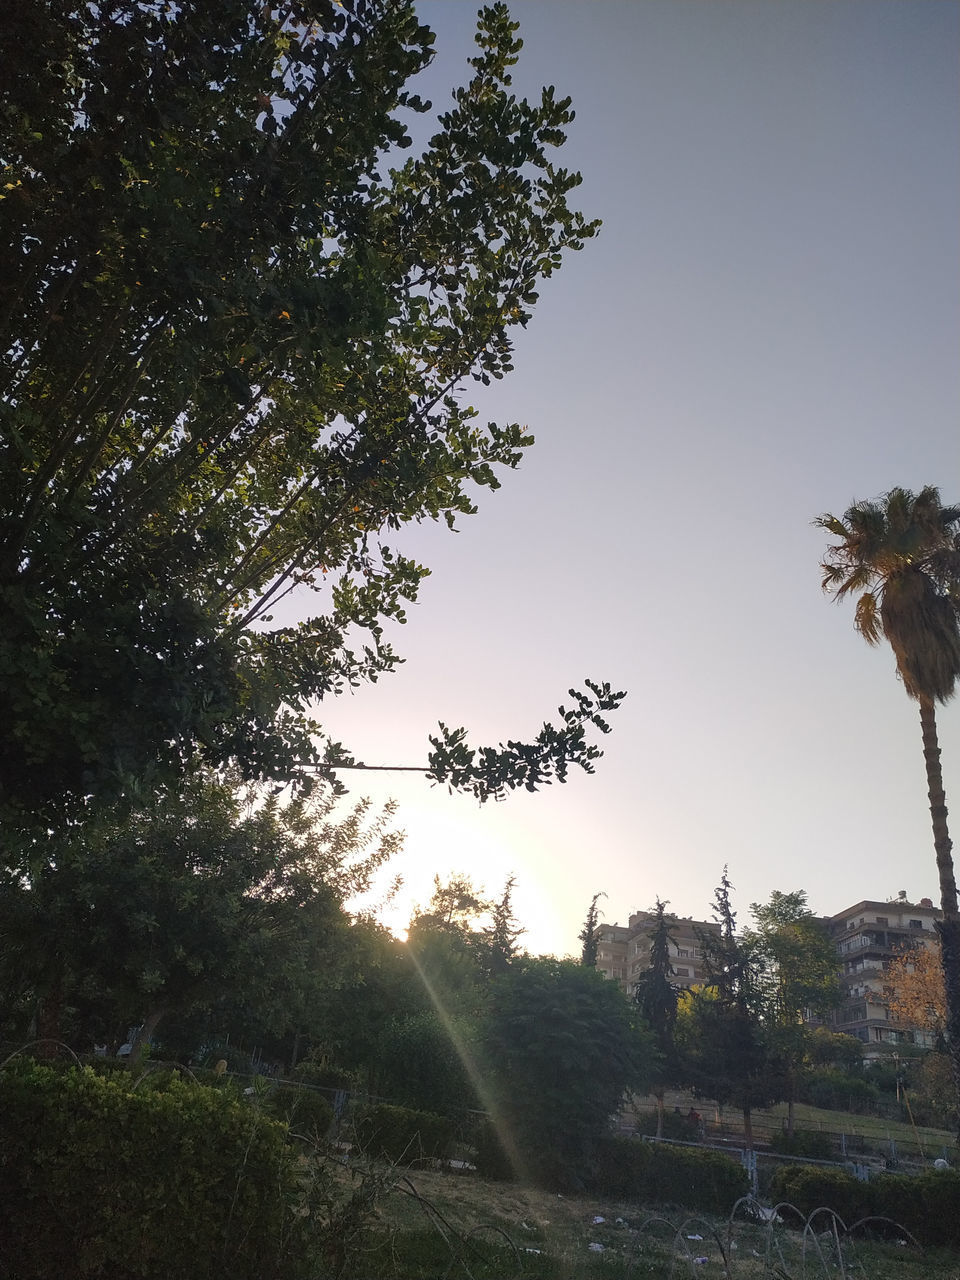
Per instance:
{"type": "Point", "coordinates": [868, 935]}
{"type": "Point", "coordinates": [623, 951]}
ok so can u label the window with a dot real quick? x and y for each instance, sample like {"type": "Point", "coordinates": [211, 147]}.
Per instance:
{"type": "Point", "coordinates": [916, 924]}
{"type": "Point", "coordinates": [682, 973]}
{"type": "Point", "coordinates": [682, 953]}
{"type": "Point", "coordinates": [882, 920]}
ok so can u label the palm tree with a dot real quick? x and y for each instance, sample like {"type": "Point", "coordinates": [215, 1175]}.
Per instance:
{"type": "Point", "coordinates": [902, 553]}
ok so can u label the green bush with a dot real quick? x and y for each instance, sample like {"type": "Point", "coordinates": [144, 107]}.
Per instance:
{"type": "Point", "coordinates": [491, 1159]}
{"type": "Point", "coordinates": [675, 1125]}
{"type": "Point", "coordinates": [403, 1136]}
{"type": "Point", "coordinates": [803, 1142]}
{"type": "Point", "coordinates": [324, 1075]}
{"type": "Point", "coordinates": [838, 1091]}
{"type": "Point", "coordinates": [306, 1111]}
{"type": "Point", "coordinates": [928, 1205]}
{"type": "Point", "coordinates": [808, 1187]}
{"type": "Point", "coordinates": [97, 1179]}
{"type": "Point", "coordinates": [654, 1172]}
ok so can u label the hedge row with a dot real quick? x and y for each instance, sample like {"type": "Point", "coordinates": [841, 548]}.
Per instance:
{"type": "Point", "coordinates": [928, 1205]}
{"type": "Point", "coordinates": [403, 1136]}
{"type": "Point", "coordinates": [98, 1179]}
{"type": "Point", "coordinates": [656, 1173]}
{"type": "Point", "coordinates": [803, 1142]}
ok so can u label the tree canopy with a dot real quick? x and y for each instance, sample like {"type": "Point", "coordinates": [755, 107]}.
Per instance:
{"type": "Point", "coordinates": [213, 902]}
{"type": "Point", "coordinates": [588, 935]}
{"type": "Point", "coordinates": [235, 329]}
{"type": "Point", "coordinates": [559, 1049]}
{"type": "Point", "coordinates": [914, 990]}
{"type": "Point", "coordinates": [724, 1028]}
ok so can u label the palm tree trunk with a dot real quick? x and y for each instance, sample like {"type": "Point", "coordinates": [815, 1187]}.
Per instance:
{"type": "Point", "coordinates": [949, 926]}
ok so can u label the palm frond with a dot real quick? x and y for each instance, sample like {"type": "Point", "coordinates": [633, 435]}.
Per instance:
{"type": "Point", "coordinates": [867, 618]}
{"type": "Point", "coordinates": [832, 525]}
{"type": "Point", "coordinates": [901, 555]}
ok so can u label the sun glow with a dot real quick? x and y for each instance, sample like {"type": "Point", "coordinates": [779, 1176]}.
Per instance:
{"type": "Point", "coordinates": [456, 837]}
{"type": "Point", "coordinates": [474, 1075]}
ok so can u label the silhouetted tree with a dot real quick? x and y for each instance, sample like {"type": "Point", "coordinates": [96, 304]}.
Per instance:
{"type": "Point", "coordinates": [588, 934]}
{"type": "Point", "coordinates": [504, 931]}
{"type": "Point", "coordinates": [657, 998]}
{"type": "Point", "coordinates": [729, 1052]}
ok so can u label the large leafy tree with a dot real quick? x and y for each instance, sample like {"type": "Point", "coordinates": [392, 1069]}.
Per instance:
{"type": "Point", "coordinates": [205, 905]}
{"type": "Point", "coordinates": [559, 1049]}
{"type": "Point", "coordinates": [445, 942]}
{"type": "Point", "coordinates": [900, 556]}
{"type": "Point", "coordinates": [799, 962]}
{"type": "Point", "coordinates": [234, 332]}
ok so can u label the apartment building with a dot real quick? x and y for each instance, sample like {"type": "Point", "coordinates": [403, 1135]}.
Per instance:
{"type": "Point", "coordinates": [623, 951]}
{"type": "Point", "coordinates": [868, 935]}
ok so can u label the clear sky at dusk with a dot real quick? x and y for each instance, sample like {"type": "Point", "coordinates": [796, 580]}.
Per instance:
{"type": "Point", "coordinates": [766, 328]}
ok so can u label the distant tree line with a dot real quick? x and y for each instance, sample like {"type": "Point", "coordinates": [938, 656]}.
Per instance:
{"type": "Point", "coordinates": [748, 1035]}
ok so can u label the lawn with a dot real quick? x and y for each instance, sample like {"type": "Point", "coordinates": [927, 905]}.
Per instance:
{"type": "Point", "coordinates": [863, 1132]}
{"type": "Point", "coordinates": [429, 1224]}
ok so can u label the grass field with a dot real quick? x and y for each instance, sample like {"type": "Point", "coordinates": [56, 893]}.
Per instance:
{"type": "Point", "coordinates": [431, 1224]}
{"type": "Point", "coordinates": [870, 1133]}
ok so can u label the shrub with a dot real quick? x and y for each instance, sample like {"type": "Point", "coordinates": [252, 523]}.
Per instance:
{"type": "Point", "coordinates": [306, 1111]}
{"type": "Point", "coordinates": [403, 1136]}
{"type": "Point", "coordinates": [491, 1159]}
{"type": "Point", "coordinates": [657, 1173]}
{"type": "Point", "coordinates": [838, 1091]}
{"type": "Point", "coordinates": [325, 1076]}
{"type": "Point", "coordinates": [803, 1142]}
{"type": "Point", "coordinates": [928, 1205]}
{"type": "Point", "coordinates": [675, 1125]}
{"type": "Point", "coordinates": [809, 1188]}
{"type": "Point", "coordinates": [97, 1179]}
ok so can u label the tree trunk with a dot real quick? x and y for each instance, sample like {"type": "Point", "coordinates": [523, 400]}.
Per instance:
{"type": "Point", "coordinates": [748, 1128]}
{"type": "Point", "coordinates": [949, 926]}
{"type": "Point", "coordinates": [49, 1014]}
{"type": "Point", "coordinates": [144, 1034]}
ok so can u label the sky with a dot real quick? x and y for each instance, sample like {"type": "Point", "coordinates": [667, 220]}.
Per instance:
{"type": "Point", "coordinates": [766, 328]}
